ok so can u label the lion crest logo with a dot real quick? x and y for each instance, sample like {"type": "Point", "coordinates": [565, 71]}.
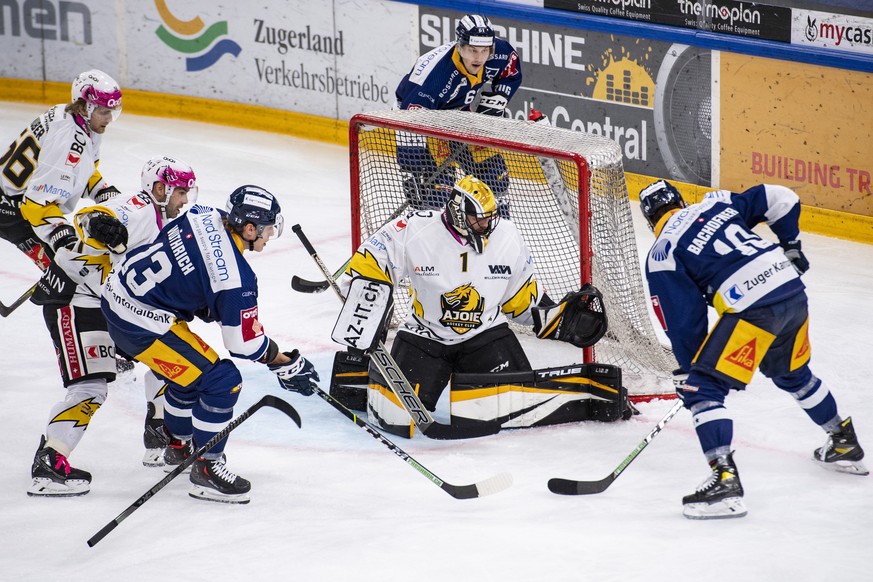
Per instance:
{"type": "Point", "coordinates": [462, 308]}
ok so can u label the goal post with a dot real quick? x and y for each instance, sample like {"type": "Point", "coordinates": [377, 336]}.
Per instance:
{"type": "Point", "coordinates": [564, 190]}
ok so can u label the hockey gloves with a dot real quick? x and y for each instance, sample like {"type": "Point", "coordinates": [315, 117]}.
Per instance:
{"type": "Point", "coordinates": [298, 375]}
{"type": "Point", "coordinates": [108, 230]}
{"type": "Point", "coordinates": [63, 237]}
{"type": "Point", "coordinates": [580, 318]}
{"type": "Point", "coordinates": [492, 103]}
{"type": "Point", "coordinates": [105, 194]}
{"type": "Point", "coordinates": [795, 255]}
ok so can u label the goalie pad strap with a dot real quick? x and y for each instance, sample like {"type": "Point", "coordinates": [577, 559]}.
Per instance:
{"type": "Point", "coordinates": [364, 314]}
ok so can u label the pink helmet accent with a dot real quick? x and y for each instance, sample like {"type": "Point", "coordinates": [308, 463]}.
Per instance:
{"type": "Point", "coordinates": [97, 89]}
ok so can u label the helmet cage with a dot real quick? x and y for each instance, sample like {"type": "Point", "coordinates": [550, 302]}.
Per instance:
{"type": "Point", "coordinates": [472, 197]}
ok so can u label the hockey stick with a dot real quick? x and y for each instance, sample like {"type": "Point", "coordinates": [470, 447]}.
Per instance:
{"type": "Point", "coordinates": [571, 487]}
{"type": "Point", "coordinates": [302, 285]}
{"type": "Point", "coordinates": [5, 311]}
{"type": "Point", "coordinates": [394, 376]}
{"type": "Point", "coordinates": [489, 486]}
{"type": "Point", "coordinates": [270, 401]}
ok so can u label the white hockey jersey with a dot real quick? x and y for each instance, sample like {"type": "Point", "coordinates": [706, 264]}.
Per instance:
{"type": "Point", "coordinates": [455, 293]}
{"type": "Point", "coordinates": [89, 263]}
{"type": "Point", "coordinates": [49, 168]}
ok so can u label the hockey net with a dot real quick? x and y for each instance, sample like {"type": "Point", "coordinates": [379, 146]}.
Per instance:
{"type": "Point", "coordinates": [567, 195]}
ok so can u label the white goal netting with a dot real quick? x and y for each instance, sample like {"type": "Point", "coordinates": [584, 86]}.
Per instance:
{"type": "Point", "coordinates": [553, 173]}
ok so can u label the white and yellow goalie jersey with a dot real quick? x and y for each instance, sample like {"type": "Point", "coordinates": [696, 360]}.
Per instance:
{"type": "Point", "coordinates": [455, 292]}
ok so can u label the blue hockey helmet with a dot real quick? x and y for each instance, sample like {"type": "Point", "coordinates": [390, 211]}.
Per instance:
{"type": "Point", "coordinates": [254, 204]}
{"type": "Point", "coordinates": [474, 30]}
{"type": "Point", "coordinates": [657, 199]}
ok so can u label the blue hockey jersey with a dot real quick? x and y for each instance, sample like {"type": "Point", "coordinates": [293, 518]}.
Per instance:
{"type": "Point", "coordinates": [439, 80]}
{"type": "Point", "coordinates": [707, 254]}
{"type": "Point", "coordinates": [195, 267]}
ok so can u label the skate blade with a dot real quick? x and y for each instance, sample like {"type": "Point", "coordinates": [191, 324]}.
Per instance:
{"type": "Point", "coordinates": [153, 458]}
{"type": "Point", "coordinates": [45, 487]}
{"type": "Point", "coordinates": [727, 508]}
{"type": "Point", "coordinates": [850, 467]}
{"type": "Point", "coordinates": [207, 494]}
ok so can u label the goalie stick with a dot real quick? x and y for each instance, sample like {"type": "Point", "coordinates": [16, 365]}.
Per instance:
{"type": "Point", "coordinates": [489, 486]}
{"type": "Point", "coordinates": [394, 377]}
{"type": "Point", "coordinates": [270, 401]}
{"type": "Point", "coordinates": [302, 285]}
{"type": "Point", "coordinates": [6, 310]}
{"type": "Point", "coordinates": [571, 487]}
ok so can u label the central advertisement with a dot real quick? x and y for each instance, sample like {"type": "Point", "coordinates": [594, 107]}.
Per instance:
{"type": "Point", "coordinates": [653, 98]}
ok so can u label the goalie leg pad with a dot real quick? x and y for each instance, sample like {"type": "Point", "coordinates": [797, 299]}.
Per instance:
{"type": "Point", "coordinates": [349, 379]}
{"type": "Point", "coordinates": [540, 397]}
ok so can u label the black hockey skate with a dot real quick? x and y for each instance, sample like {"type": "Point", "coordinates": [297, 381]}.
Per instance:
{"type": "Point", "coordinates": [214, 482]}
{"type": "Point", "coordinates": [842, 452]}
{"type": "Point", "coordinates": [720, 496]}
{"type": "Point", "coordinates": [155, 439]}
{"type": "Point", "coordinates": [123, 365]}
{"type": "Point", "coordinates": [176, 452]}
{"type": "Point", "coordinates": [54, 477]}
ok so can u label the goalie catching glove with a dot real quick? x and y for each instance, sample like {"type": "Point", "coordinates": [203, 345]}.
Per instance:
{"type": "Point", "coordinates": [298, 375]}
{"type": "Point", "coordinates": [579, 319]}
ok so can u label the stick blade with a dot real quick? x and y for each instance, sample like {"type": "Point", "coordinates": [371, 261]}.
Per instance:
{"type": "Point", "coordinates": [447, 432]}
{"type": "Point", "coordinates": [304, 286]}
{"type": "Point", "coordinates": [282, 406]}
{"type": "Point", "coordinates": [572, 487]}
{"type": "Point", "coordinates": [489, 486]}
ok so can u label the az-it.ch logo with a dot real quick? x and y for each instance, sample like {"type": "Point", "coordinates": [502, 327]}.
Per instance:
{"type": "Point", "coordinates": [190, 38]}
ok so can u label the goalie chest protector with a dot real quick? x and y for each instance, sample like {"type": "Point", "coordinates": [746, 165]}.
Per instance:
{"type": "Point", "coordinates": [540, 397]}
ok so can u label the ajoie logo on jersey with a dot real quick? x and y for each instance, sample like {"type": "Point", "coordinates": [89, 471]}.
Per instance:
{"type": "Point", "coordinates": [251, 327]}
{"type": "Point", "coordinates": [462, 308]}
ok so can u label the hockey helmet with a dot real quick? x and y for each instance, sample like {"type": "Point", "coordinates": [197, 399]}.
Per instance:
{"type": "Point", "coordinates": [255, 205]}
{"type": "Point", "coordinates": [172, 173]}
{"type": "Point", "coordinates": [97, 89]}
{"type": "Point", "coordinates": [472, 197]}
{"type": "Point", "coordinates": [657, 199]}
{"type": "Point", "coordinates": [474, 30]}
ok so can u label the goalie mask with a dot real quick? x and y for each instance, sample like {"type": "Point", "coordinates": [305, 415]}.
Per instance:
{"type": "Point", "coordinates": [657, 199]}
{"type": "Point", "coordinates": [472, 211]}
{"type": "Point", "coordinates": [174, 175]}
{"type": "Point", "coordinates": [97, 89]}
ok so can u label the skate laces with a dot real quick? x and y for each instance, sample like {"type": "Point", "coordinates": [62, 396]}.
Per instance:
{"type": "Point", "coordinates": [61, 463]}
{"type": "Point", "coordinates": [220, 470]}
{"type": "Point", "coordinates": [709, 481]}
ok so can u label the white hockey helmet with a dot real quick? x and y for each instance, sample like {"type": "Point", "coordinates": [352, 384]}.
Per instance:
{"type": "Point", "coordinates": [172, 173]}
{"type": "Point", "coordinates": [97, 89]}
